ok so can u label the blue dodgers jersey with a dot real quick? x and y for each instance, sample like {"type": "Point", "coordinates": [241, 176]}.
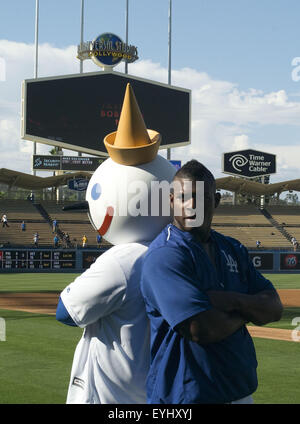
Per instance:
{"type": "Point", "coordinates": [176, 274]}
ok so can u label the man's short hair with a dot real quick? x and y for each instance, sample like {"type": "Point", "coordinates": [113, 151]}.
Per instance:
{"type": "Point", "coordinates": [196, 171]}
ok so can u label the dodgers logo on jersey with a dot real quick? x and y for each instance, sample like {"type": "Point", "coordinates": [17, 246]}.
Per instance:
{"type": "Point", "coordinates": [231, 263]}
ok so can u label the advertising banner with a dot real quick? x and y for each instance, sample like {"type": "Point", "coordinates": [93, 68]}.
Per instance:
{"type": "Point", "coordinates": [262, 261]}
{"type": "Point", "coordinates": [46, 163]}
{"type": "Point", "coordinates": [78, 184]}
{"type": "Point", "coordinates": [290, 261]}
{"type": "Point", "coordinates": [65, 163]}
{"type": "Point", "coordinates": [89, 257]}
{"type": "Point", "coordinates": [249, 163]}
{"type": "Point", "coordinates": [176, 163]}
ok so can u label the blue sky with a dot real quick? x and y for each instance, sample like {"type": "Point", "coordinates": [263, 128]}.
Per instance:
{"type": "Point", "coordinates": [235, 55]}
{"type": "Point", "coordinates": [249, 42]}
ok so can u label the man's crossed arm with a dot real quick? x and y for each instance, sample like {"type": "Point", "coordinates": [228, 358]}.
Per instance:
{"type": "Point", "coordinates": [230, 311]}
{"type": "Point", "coordinates": [260, 308]}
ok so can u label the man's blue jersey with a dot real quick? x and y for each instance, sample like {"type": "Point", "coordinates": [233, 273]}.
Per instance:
{"type": "Point", "coordinates": [177, 272]}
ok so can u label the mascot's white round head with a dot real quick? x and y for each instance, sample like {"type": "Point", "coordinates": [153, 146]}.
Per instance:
{"type": "Point", "coordinates": [128, 195]}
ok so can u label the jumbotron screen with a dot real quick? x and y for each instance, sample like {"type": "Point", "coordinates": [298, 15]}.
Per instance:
{"type": "Point", "coordinates": [78, 111]}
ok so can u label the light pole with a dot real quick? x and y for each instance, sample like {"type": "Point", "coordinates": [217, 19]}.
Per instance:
{"type": "Point", "coordinates": [36, 42]}
{"type": "Point", "coordinates": [169, 57]}
{"type": "Point", "coordinates": [81, 60]}
{"type": "Point", "coordinates": [81, 32]}
{"type": "Point", "coordinates": [126, 33]}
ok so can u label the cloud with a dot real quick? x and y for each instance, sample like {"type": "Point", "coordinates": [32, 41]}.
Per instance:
{"type": "Point", "coordinates": [287, 159]}
{"type": "Point", "coordinates": [222, 114]}
{"type": "Point", "coordinates": [241, 142]}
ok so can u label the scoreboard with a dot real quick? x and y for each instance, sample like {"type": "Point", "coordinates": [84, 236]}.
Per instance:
{"type": "Point", "coordinates": [37, 259]}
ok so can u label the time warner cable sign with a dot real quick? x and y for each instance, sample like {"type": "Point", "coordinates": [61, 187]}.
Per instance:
{"type": "Point", "coordinates": [248, 163]}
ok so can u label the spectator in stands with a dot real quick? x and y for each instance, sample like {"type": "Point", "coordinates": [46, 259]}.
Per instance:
{"type": "Point", "coordinates": [23, 226]}
{"type": "Point", "coordinates": [55, 240]}
{"type": "Point", "coordinates": [36, 239]}
{"type": "Point", "coordinates": [258, 243]}
{"type": "Point", "coordinates": [99, 239]}
{"type": "Point", "coordinates": [67, 240]}
{"type": "Point", "coordinates": [294, 243]}
{"type": "Point", "coordinates": [84, 240]}
{"type": "Point", "coordinates": [30, 197]}
{"type": "Point", "coordinates": [4, 221]}
{"type": "Point", "coordinates": [54, 225]}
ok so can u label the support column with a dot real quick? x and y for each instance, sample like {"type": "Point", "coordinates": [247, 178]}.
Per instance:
{"type": "Point", "coordinates": [262, 197]}
{"type": "Point", "coordinates": [233, 198]}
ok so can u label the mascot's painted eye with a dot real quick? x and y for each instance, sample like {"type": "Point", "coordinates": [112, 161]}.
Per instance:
{"type": "Point", "coordinates": [96, 191]}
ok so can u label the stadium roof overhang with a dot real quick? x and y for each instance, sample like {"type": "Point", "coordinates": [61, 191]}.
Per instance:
{"type": "Point", "coordinates": [33, 182]}
{"type": "Point", "coordinates": [238, 185]}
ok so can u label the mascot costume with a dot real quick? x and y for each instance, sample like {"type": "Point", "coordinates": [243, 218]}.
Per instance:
{"type": "Point", "coordinates": [111, 360]}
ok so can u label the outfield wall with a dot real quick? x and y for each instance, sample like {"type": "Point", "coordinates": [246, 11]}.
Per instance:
{"type": "Point", "coordinates": [47, 260]}
{"type": "Point", "coordinates": [77, 260]}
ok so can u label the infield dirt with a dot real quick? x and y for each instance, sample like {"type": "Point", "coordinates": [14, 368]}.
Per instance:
{"type": "Point", "coordinates": [45, 303]}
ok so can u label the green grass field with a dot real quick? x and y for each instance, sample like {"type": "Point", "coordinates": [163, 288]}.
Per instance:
{"type": "Point", "coordinates": [284, 281]}
{"type": "Point", "coordinates": [278, 372]}
{"type": "Point", "coordinates": [45, 282]}
{"type": "Point", "coordinates": [40, 282]}
{"type": "Point", "coordinates": [36, 358]}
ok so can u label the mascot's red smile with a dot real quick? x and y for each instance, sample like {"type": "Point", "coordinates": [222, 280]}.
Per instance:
{"type": "Point", "coordinates": [107, 221]}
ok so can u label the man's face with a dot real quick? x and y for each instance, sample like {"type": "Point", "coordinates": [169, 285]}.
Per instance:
{"type": "Point", "coordinates": [184, 204]}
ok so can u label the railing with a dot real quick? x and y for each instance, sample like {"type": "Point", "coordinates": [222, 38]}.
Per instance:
{"type": "Point", "coordinates": [276, 224]}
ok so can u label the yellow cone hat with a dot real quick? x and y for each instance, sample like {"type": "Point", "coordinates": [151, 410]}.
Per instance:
{"type": "Point", "coordinates": [132, 143]}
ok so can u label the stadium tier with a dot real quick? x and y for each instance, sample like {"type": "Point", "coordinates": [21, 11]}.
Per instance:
{"type": "Point", "coordinates": [54, 210]}
{"type": "Point", "coordinates": [75, 223]}
{"type": "Point", "coordinates": [14, 236]}
{"type": "Point", "coordinates": [295, 232]}
{"type": "Point", "coordinates": [269, 237]}
{"type": "Point", "coordinates": [245, 223]}
{"type": "Point", "coordinates": [76, 232]}
{"type": "Point", "coordinates": [285, 215]}
{"type": "Point", "coordinates": [237, 215]}
{"type": "Point", "coordinates": [19, 210]}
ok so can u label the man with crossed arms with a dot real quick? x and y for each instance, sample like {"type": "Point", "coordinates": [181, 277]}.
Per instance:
{"type": "Point", "coordinates": [200, 289]}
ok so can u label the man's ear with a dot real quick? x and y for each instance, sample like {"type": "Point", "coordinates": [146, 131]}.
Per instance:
{"type": "Point", "coordinates": [217, 199]}
{"type": "Point", "coordinates": [171, 200]}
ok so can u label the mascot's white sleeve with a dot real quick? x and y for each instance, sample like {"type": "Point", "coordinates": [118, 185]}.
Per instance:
{"type": "Point", "coordinates": [97, 292]}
